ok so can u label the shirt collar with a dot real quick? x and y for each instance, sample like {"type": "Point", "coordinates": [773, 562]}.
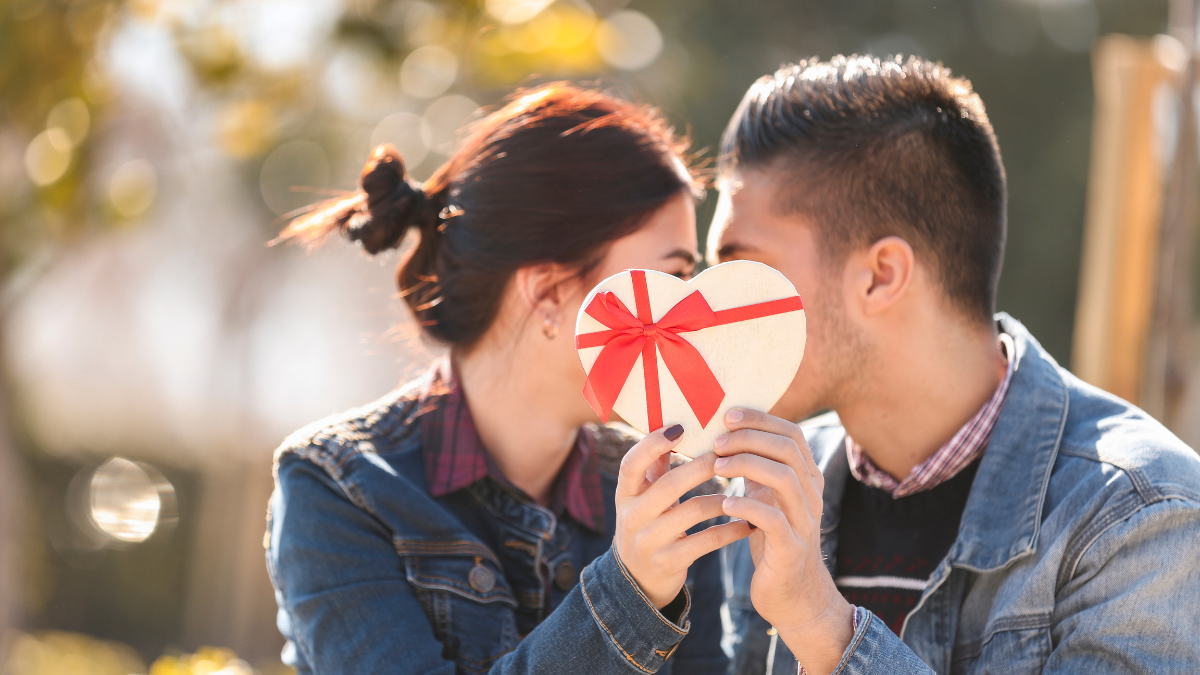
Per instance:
{"type": "Point", "coordinates": [966, 446]}
{"type": "Point", "coordinates": [455, 456]}
{"type": "Point", "coordinates": [1003, 516]}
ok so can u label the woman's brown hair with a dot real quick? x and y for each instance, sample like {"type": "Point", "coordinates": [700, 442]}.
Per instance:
{"type": "Point", "coordinates": [554, 176]}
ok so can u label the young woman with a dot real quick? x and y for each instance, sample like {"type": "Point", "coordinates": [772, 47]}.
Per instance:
{"type": "Point", "coordinates": [479, 519]}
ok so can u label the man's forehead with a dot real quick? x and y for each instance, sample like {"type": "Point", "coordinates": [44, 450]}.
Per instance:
{"type": "Point", "coordinates": [740, 224]}
{"type": "Point", "coordinates": [746, 199]}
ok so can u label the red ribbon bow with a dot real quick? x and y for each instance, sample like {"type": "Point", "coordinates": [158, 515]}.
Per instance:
{"type": "Point", "coordinates": [632, 335]}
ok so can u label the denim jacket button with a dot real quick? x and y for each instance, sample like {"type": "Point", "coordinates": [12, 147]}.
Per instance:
{"type": "Point", "coordinates": [564, 576]}
{"type": "Point", "coordinates": [482, 579]}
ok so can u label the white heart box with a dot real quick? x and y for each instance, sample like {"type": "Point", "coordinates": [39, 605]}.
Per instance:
{"type": "Point", "coordinates": [735, 335]}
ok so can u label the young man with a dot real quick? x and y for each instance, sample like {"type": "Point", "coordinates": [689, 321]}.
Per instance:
{"type": "Point", "coordinates": [977, 508]}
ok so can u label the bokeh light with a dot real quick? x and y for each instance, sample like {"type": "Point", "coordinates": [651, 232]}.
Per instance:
{"type": "Point", "coordinates": [60, 653]}
{"type": "Point", "coordinates": [48, 156]}
{"type": "Point", "coordinates": [1072, 25]}
{"type": "Point", "coordinates": [445, 117]}
{"type": "Point", "coordinates": [566, 26]}
{"type": "Point", "coordinates": [516, 11]}
{"type": "Point", "coordinates": [206, 661]}
{"type": "Point", "coordinates": [128, 500]}
{"type": "Point", "coordinates": [629, 40]}
{"type": "Point", "coordinates": [357, 86]}
{"type": "Point", "coordinates": [424, 23]}
{"type": "Point", "coordinates": [246, 128]}
{"type": "Point", "coordinates": [72, 116]}
{"type": "Point", "coordinates": [408, 132]}
{"type": "Point", "coordinates": [132, 188]}
{"type": "Point", "coordinates": [289, 168]}
{"type": "Point", "coordinates": [428, 71]}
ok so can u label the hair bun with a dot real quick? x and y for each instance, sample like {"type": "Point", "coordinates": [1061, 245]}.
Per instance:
{"type": "Point", "coordinates": [394, 203]}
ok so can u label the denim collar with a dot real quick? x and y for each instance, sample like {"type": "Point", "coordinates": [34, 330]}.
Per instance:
{"type": "Point", "coordinates": [1004, 512]}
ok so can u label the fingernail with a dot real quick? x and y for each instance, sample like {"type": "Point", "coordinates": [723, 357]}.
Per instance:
{"type": "Point", "coordinates": [727, 503]}
{"type": "Point", "coordinates": [721, 464]}
{"type": "Point", "coordinates": [733, 416]}
{"type": "Point", "coordinates": [720, 440]}
{"type": "Point", "coordinates": [673, 432]}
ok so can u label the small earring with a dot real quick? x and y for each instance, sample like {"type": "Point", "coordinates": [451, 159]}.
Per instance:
{"type": "Point", "coordinates": [549, 328]}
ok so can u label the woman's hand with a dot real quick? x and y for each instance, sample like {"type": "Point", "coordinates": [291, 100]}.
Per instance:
{"type": "Point", "coordinates": [651, 537]}
{"type": "Point", "coordinates": [791, 587]}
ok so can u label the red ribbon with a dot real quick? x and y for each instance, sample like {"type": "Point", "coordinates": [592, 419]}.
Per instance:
{"type": "Point", "coordinates": [631, 335]}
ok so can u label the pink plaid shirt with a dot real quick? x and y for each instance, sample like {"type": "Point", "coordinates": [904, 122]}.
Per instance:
{"type": "Point", "coordinates": [965, 447]}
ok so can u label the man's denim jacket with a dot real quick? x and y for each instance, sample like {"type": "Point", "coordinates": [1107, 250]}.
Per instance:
{"type": "Point", "coordinates": [1078, 551]}
{"type": "Point", "coordinates": [373, 575]}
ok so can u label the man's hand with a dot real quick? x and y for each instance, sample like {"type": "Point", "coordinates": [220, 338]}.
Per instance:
{"type": "Point", "coordinates": [791, 587]}
{"type": "Point", "coordinates": [651, 537]}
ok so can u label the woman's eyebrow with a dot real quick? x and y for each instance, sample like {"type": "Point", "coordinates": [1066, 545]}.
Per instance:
{"type": "Point", "coordinates": [690, 257]}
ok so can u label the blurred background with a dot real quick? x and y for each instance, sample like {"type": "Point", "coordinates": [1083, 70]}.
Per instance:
{"type": "Point", "coordinates": [155, 351]}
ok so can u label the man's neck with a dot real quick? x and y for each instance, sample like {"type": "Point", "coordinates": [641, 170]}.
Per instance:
{"type": "Point", "coordinates": [933, 382]}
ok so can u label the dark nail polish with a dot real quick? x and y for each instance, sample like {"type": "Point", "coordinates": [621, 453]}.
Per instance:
{"type": "Point", "coordinates": [673, 432]}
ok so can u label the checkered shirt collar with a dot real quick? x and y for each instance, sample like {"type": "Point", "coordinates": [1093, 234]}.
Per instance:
{"type": "Point", "coordinates": [455, 456]}
{"type": "Point", "coordinates": [964, 447]}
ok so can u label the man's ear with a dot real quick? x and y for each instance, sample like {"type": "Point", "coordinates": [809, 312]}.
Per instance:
{"type": "Point", "coordinates": [884, 274]}
{"type": "Point", "coordinates": [545, 290]}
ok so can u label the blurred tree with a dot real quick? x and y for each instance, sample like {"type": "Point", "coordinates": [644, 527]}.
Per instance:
{"type": "Point", "coordinates": [51, 97]}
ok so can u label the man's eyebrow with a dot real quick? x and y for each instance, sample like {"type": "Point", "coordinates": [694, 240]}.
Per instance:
{"type": "Point", "coordinates": [733, 248]}
{"type": "Point", "coordinates": [690, 257]}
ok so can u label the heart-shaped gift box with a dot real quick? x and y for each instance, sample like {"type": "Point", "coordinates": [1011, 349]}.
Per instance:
{"type": "Point", "coordinates": [732, 336]}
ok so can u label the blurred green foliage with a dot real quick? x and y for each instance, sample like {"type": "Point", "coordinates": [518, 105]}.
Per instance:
{"type": "Point", "coordinates": [1035, 82]}
{"type": "Point", "coordinates": [45, 59]}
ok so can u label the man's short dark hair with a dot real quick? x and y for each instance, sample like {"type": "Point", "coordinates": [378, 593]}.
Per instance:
{"type": "Point", "coordinates": [869, 148]}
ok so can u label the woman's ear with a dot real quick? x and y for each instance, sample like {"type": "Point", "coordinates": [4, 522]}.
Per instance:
{"type": "Point", "coordinates": [546, 291]}
{"type": "Point", "coordinates": [885, 275]}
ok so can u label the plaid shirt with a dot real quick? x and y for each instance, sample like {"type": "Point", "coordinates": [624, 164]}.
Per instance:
{"type": "Point", "coordinates": [455, 457]}
{"type": "Point", "coordinates": [965, 447]}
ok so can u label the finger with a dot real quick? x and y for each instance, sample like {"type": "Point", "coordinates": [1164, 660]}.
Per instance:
{"type": "Point", "coordinates": [706, 541]}
{"type": "Point", "coordinates": [679, 519]}
{"type": "Point", "coordinates": [631, 480]}
{"type": "Point", "coordinates": [773, 446]}
{"type": "Point", "coordinates": [769, 519]}
{"type": "Point", "coordinates": [760, 492]}
{"type": "Point", "coordinates": [676, 483]}
{"type": "Point", "coordinates": [799, 498]}
{"type": "Point", "coordinates": [658, 467]}
{"type": "Point", "coordinates": [781, 450]}
{"type": "Point", "coordinates": [745, 418]}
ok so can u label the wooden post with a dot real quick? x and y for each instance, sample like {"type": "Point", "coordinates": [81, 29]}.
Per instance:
{"type": "Point", "coordinates": [1171, 361]}
{"type": "Point", "coordinates": [1119, 271]}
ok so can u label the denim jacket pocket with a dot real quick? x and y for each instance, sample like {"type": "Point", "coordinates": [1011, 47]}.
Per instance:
{"type": "Point", "coordinates": [466, 599]}
{"type": "Point", "coordinates": [1015, 645]}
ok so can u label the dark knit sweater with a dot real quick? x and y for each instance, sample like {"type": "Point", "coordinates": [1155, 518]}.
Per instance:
{"type": "Point", "coordinates": [888, 548]}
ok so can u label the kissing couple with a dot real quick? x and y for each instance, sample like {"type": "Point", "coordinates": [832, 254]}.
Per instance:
{"type": "Point", "coordinates": [963, 505]}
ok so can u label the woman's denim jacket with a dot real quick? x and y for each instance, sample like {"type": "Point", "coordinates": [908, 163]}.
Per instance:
{"type": "Point", "coordinates": [374, 575]}
{"type": "Point", "coordinates": [1078, 551]}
